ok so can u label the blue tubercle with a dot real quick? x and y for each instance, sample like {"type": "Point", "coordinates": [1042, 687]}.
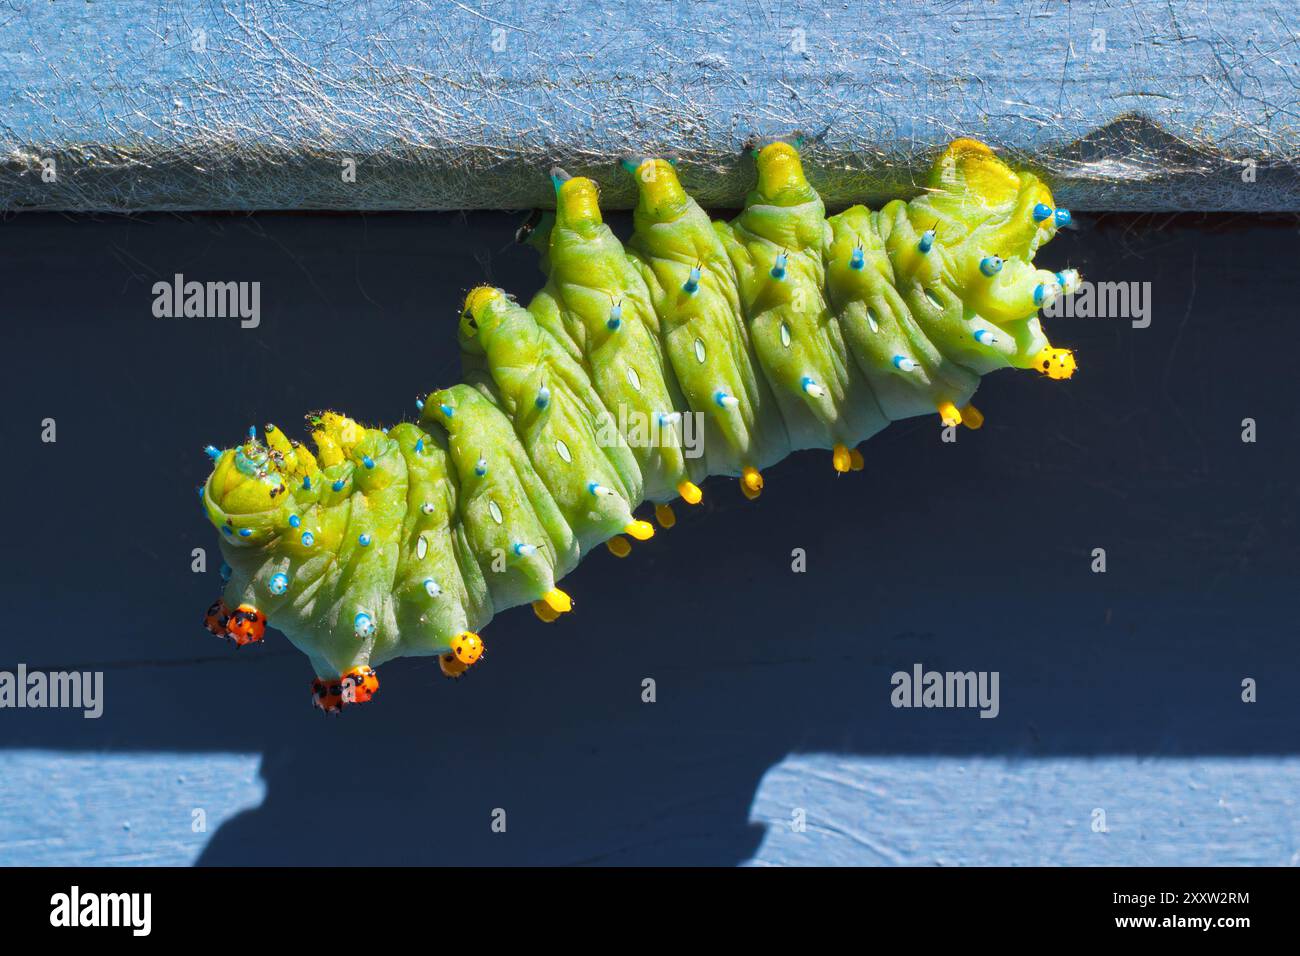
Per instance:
{"type": "Point", "coordinates": [778, 267]}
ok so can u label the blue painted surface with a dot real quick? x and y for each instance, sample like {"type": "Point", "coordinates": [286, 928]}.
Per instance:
{"type": "Point", "coordinates": [118, 809]}
{"type": "Point", "coordinates": [448, 105]}
{"type": "Point", "coordinates": [1043, 812]}
{"type": "Point", "coordinates": [139, 809]}
{"type": "Point", "coordinates": [1119, 691]}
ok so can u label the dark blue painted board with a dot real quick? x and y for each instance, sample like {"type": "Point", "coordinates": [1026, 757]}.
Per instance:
{"type": "Point", "coordinates": [1119, 691]}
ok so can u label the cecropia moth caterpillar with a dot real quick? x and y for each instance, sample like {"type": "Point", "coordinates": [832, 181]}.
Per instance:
{"type": "Point", "coordinates": [779, 331]}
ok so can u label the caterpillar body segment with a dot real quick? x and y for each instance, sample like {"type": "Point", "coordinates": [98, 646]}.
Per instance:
{"type": "Point", "coordinates": [881, 318]}
{"type": "Point", "coordinates": [694, 291]}
{"type": "Point", "coordinates": [520, 540]}
{"type": "Point", "coordinates": [604, 307]}
{"type": "Point", "coordinates": [777, 247]}
{"type": "Point", "coordinates": [585, 463]}
{"type": "Point", "coordinates": [777, 331]}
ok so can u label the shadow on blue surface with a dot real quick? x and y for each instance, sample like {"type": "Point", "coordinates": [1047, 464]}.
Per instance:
{"type": "Point", "coordinates": [967, 556]}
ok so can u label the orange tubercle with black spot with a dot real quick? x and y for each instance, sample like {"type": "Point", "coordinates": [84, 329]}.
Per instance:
{"type": "Point", "coordinates": [217, 618]}
{"type": "Point", "coordinates": [247, 625]}
{"type": "Point", "coordinates": [357, 686]}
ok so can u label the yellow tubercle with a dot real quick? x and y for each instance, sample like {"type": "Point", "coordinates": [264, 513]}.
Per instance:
{"type": "Point", "coordinates": [641, 530]}
{"type": "Point", "coordinates": [660, 189]}
{"type": "Point", "coordinates": [841, 459]}
{"type": "Point", "coordinates": [948, 414]}
{"type": "Point", "coordinates": [480, 296]}
{"type": "Point", "coordinates": [855, 460]}
{"type": "Point", "coordinates": [578, 202]}
{"type": "Point", "coordinates": [690, 492]}
{"type": "Point", "coordinates": [342, 429]}
{"type": "Point", "coordinates": [972, 418]}
{"type": "Point", "coordinates": [779, 169]}
{"type": "Point", "coordinates": [618, 546]}
{"type": "Point", "coordinates": [968, 167]}
{"type": "Point", "coordinates": [751, 482]}
{"type": "Point", "coordinates": [665, 516]}
{"type": "Point", "coordinates": [276, 440]}
{"type": "Point", "coordinates": [544, 612]}
{"type": "Point", "coordinates": [327, 448]}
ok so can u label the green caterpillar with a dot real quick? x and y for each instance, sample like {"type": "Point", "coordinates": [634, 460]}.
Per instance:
{"type": "Point", "coordinates": [703, 348]}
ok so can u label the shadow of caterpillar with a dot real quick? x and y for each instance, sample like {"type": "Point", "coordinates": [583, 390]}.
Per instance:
{"type": "Point", "coordinates": [703, 348]}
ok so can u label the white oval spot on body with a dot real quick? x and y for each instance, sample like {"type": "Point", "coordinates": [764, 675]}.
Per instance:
{"type": "Point", "coordinates": [633, 378]}
{"type": "Point", "coordinates": [934, 299]}
{"type": "Point", "coordinates": [785, 335]}
{"type": "Point", "coordinates": [495, 511]}
{"type": "Point", "coordinates": [421, 547]}
{"type": "Point", "coordinates": [699, 351]}
{"type": "Point", "coordinates": [871, 319]}
{"type": "Point", "coordinates": [562, 449]}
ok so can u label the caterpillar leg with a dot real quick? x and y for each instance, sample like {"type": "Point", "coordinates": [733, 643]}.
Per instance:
{"type": "Point", "coordinates": [551, 605]}
{"type": "Point", "coordinates": [751, 482]}
{"type": "Point", "coordinates": [641, 530]}
{"type": "Point", "coordinates": [841, 458]}
{"type": "Point", "coordinates": [972, 418]}
{"type": "Point", "coordinates": [855, 460]}
{"type": "Point", "coordinates": [949, 415]}
{"type": "Point", "coordinates": [450, 666]}
{"type": "Point", "coordinates": [620, 547]}
{"type": "Point", "coordinates": [466, 649]}
{"type": "Point", "coordinates": [1055, 363]}
{"type": "Point", "coordinates": [665, 516]}
{"type": "Point", "coordinates": [357, 686]}
{"type": "Point", "coordinates": [217, 618]}
{"type": "Point", "coordinates": [244, 625]}
{"type": "Point", "coordinates": [690, 492]}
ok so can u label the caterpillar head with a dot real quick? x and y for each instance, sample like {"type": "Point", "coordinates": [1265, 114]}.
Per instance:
{"type": "Point", "coordinates": [249, 490]}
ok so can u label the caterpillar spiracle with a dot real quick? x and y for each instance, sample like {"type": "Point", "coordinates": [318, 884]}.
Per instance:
{"type": "Point", "coordinates": [778, 331]}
